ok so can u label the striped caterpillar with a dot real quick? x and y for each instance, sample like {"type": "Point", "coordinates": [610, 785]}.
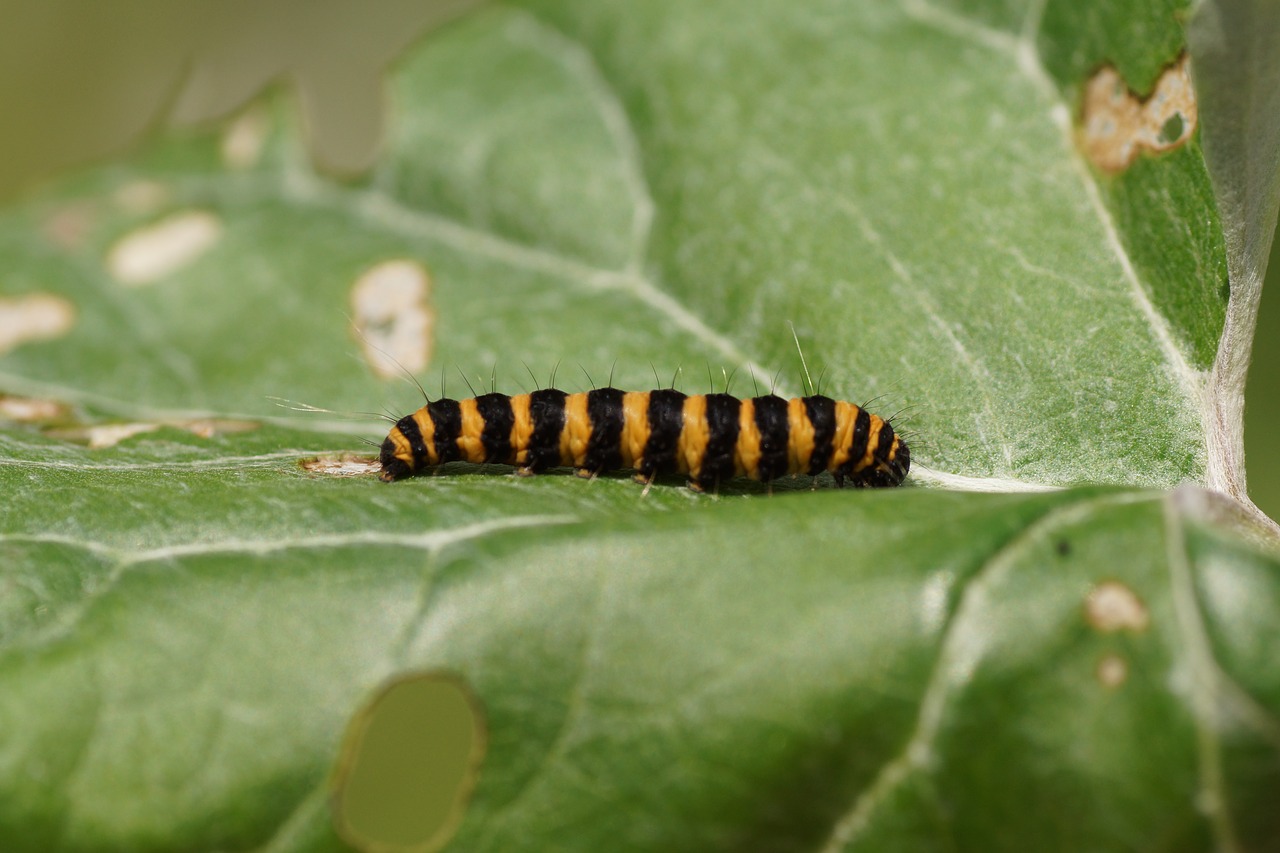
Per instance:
{"type": "Point", "coordinates": [710, 437]}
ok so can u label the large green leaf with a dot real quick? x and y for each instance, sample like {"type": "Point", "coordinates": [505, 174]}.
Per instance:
{"type": "Point", "coordinates": [190, 622]}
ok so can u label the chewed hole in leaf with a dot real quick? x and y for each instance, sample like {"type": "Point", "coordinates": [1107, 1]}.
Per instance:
{"type": "Point", "coordinates": [341, 465]}
{"type": "Point", "coordinates": [410, 759]}
{"type": "Point", "coordinates": [1172, 130]}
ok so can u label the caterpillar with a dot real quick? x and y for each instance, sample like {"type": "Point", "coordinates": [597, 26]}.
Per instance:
{"type": "Point", "coordinates": [710, 437]}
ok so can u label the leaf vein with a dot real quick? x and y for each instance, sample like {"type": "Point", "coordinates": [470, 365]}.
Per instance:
{"type": "Point", "coordinates": [555, 753]}
{"type": "Point", "coordinates": [1023, 51]}
{"type": "Point", "coordinates": [1204, 674]}
{"type": "Point", "coordinates": [960, 654]}
{"type": "Point", "coordinates": [578, 60]}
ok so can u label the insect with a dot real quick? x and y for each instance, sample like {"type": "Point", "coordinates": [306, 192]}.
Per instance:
{"type": "Point", "coordinates": [709, 437]}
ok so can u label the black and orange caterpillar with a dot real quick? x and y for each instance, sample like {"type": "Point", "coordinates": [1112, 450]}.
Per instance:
{"type": "Point", "coordinates": [710, 437]}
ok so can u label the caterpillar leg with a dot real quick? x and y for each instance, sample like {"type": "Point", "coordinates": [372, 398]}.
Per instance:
{"type": "Point", "coordinates": [647, 482]}
{"type": "Point", "coordinates": [585, 473]}
{"type": "Point", "coordinates": [705, 484]}
{"type": "Point", "coordinates": [525, 471]}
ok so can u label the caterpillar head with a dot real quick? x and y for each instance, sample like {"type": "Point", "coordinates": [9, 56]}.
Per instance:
{"type": "Point", "coordinates": [393, 466]}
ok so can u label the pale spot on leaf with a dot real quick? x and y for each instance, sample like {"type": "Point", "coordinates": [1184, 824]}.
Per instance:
{"type": "Point", "coordinates": [1112, 606]}
{"type": "Point", "coordinates": [244, 138]}
{"type": "Point", "coordinates": [105, 435]}
{"type": "Point", "coordinates": [210, 427]}
{"type": "Point", "coordinates": [1112, 671]}
{"type": "Point", "coordinates": [32, 409]}
{"type": "Point", "coordinates": [933, 602]}
{"type": "Point", "coordinates": [155, 251]}
{"type": "Point", "coordinates": [1117, 126]}
{"type": "Point", "coordinates": [393, 316]}
{"type": "Point", "coordinates": [101, 436]}
{"type": "Point", "coordinates": [34, 317]}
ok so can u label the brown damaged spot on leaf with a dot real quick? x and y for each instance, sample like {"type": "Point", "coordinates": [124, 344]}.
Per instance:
{"type": "Point", "coordinates": [341, 465]}
{"type": "Point", "coordinates": [69, 225]}
{"type": "Point", "coordinates": [393, 316]}
{"type": "Point", "coordinates": [101, 436]}
{"type": "Point", "coordinates": [32, 410]}
{"type": "Point", "coordinates": [1117, 126]}
{"type": "Point", "coordinates": [34, 317]}
{"type": "Point", "coordinates": [1111, 606]}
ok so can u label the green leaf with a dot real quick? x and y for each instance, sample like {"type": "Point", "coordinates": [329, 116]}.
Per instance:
{"type": "Point", "coordinates": [888, 693]}
{"type": "Point", "coordinates": [190, 619]}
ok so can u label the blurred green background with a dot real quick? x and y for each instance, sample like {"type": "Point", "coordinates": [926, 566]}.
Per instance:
{"type": "Point", "coordinates": [1262, 397]}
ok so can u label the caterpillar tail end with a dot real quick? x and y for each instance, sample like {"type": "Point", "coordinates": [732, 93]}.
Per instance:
{"type": "Point", "coordinates": [892, 471]}
{"type": "Point", "coordinates": [393, 468]}
{"type": "Point", "coordinates": [900, 465]}
{"type": "Point", "coordinates": [886, 471]}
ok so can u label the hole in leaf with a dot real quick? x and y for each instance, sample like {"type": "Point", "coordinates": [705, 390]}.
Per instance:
{"type": "Point", "coordinates": [409, 761]}
{"type": "Point", "coordinates": [1172, 129]}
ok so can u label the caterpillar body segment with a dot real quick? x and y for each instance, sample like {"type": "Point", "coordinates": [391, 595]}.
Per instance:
{"type": "Point", "coordinates": [709, 437]}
